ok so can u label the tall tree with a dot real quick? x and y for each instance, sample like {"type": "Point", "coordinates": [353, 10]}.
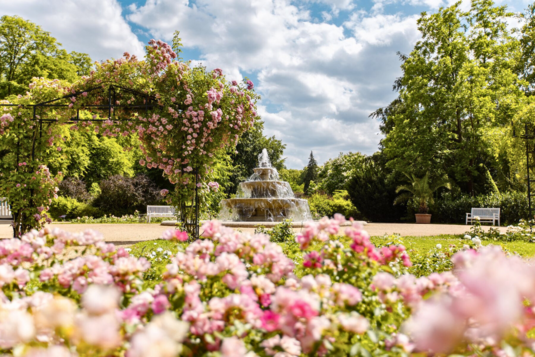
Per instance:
{"type": "Point", "coordinates": [336, 173]}
{"type": "Point", "coordinates": [457, 83]}
{"type": "Point", "coordinates": [311, 171]}
{"type": "Point", "coordinates": [27, 51]}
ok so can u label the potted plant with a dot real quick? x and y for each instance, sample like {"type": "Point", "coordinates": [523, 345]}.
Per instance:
{"type": "Point", "coordinates": [421, 191]}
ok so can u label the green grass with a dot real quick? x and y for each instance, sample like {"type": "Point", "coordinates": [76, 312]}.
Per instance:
{"type": "Point", "coordinates": [423, 244]}
{"type": "Point", "coordinates": [145, 248]}
{"type": "Point", "coordinates": [420, 244]}
{"type": "Point", "coordinates": [154, 249]}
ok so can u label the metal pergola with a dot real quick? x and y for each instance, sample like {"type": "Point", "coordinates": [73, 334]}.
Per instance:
{"type": "Point", "coordinates": [112, 92]}
{"type": "Point", "coordinates": [528, 136]}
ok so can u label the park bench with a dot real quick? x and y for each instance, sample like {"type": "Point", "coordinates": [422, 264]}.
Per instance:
{"type": "Point", "coordinates": [160, 211]}
{"type": "Point", "coordinates": [484, 215]}
{"type": "Point", "coordinates": [5, 211]}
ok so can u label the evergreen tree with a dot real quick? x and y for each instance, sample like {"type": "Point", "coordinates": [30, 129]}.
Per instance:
{"type": "Point", "coordinates": [311, 171]}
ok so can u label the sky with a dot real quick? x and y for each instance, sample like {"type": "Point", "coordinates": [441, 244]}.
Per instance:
{"type": "Point", "coordinates": [321, 66]}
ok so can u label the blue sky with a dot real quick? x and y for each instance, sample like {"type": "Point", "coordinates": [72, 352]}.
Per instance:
{"type": "Point", "coordinates": [321, 66]}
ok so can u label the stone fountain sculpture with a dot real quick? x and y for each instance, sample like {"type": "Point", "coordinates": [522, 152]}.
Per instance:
{"type": "Point", "coordinates": [265, 198]}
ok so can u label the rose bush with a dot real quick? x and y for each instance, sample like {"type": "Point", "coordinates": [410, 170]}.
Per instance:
{"type": "Point", "coordinates": [185, 116]}
{"type": "Point", "coordinates": [235, 294]}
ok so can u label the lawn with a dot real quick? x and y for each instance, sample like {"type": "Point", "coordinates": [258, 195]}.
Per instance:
{"type": "Point", "coordinates": [159, 251]}
{"type": "Point", "coordinates": [423, 244]}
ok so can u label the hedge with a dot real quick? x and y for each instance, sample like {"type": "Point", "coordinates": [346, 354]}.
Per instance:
{"type": "Point", "coordinates": [513, 206]}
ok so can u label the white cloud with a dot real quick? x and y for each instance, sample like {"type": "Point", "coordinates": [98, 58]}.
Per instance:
{"type": "Point", "coordinates": [380, 30]}
{"type": "Point", "coordinates": [96, 27]}
{"type": "Point", "coordinates": [326, 16]}
{"type": "Point", "coordinates": [326, 137]}
{"type": "Point", "coordinates": [319, 81]}
{"type": "Point", "coordinates": [323, 83]}
{"type": "Point", "coordinates": [336, 5]}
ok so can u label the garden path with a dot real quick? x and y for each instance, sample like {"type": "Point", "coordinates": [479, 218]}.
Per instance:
{"type": "Point", "coordinates": [133, 233]}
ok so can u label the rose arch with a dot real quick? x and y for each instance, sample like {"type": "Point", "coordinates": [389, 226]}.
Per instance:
{"type": "Point", "coordinates": [183, 115]}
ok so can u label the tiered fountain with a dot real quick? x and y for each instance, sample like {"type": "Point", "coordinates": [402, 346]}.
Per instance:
{"type": "Point", "coordinates": [265, 198]}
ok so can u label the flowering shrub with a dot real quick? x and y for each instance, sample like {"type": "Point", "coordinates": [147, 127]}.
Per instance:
{"type": "Point", "coordinates": [30, 189]}
{"type": "Point", "coordinates": [233, 294]}
{"type": "Point", "coordinates": [128, 218]}
{"type": "Point", "coordinates": [520, 232]}
{"type": "Point", "coordinates": [193, 116]}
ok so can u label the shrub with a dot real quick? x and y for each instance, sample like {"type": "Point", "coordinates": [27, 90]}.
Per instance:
{"type": "Point", "coordinates": [86, 210]}
{"type": "Point", "coordinates": [63, 206]}
{"type": "Point", "coordinates": [74, 188]}
{"type": "Point", "coordinates": [343, 205]}
{"type": "Point", "coordinates": [72, 294]}
{"type": "Point", "coordinates": [124, 195]}
{"type": "Point", "coordinates": [95, 190]}
{"type": "Point", "coordinates": [322, 205]}
{"type": "Point", "coordinates": [520, 232]}
{"type": "Point", "coordinates": [71, 208]}
{"type": "Point", "coordinates": [513, 207]}
{"type": "Point", "coordinates": [131, 218]}
{"type": "Point", "coordinates": [281, 233]}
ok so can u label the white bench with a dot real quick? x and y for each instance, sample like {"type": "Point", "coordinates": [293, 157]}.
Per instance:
{"type": "Point", "coordinates": [5, 211]}
{"type": "Point", "coordinates": [484, 215]}
{"type": "Point", "coordinates": [160, 211]}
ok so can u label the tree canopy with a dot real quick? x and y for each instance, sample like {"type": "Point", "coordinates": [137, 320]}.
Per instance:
{"type": "Point", "coordinates": [458, 95]}
{"type": "Point", "coordinates": [190, 117]}
{"type": "Point", "coordinates": [27, 51]}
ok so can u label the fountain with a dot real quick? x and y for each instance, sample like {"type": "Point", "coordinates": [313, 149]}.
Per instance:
{"type": "Point", "coordinates": [264, 198]}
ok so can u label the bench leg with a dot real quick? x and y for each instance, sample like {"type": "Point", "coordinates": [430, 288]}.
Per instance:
{"type": "Point", "coordinates": [149, 218]}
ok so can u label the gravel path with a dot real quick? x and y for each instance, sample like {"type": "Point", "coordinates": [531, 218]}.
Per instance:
{"type": "Point", "coordinates": [133, 233]}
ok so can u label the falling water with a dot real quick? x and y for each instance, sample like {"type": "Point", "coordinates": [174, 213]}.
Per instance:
{"type": "Point", "coordinates": [264, 197]}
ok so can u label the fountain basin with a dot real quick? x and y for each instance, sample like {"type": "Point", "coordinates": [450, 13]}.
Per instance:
{"type": "Point", "coordinates": [265, 189]}
{"type": "Point", "coordinates": [264, 198]}
{"type": "Point", "coordinates": [265, 209]}
{"type": "Point", "coordinates": [264, 174]}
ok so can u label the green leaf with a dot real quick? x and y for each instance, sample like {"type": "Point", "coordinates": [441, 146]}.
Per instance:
{"type": "Point", "coordinates": [354, 349]}
{"type": "Point", "coordinates": [209, 338]}
{"type": "Point", "coordinates": [364, 352]}
{"type": "Point", "coordinates": [372, 335]}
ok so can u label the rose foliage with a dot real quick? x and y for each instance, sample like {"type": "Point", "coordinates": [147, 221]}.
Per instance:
{"type": "Point", "coordinates": [235, 294]}
{"type": "Point", "coordinates": [185, 116]}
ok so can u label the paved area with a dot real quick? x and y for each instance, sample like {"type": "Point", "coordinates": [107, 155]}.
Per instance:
{"type": "Point", "coordinates": [412, 229]}
{"type": "Point", "coordinates": [133, 233]}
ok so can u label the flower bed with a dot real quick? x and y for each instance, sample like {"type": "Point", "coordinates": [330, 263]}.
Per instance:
{"type": "Point", "coordinates": [129, 218]}
{"type": "Point", "coordinates": [233, 294]}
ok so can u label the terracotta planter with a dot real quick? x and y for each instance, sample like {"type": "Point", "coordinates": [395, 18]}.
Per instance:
{"type": "Point", "coordinates": [423, 218]}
